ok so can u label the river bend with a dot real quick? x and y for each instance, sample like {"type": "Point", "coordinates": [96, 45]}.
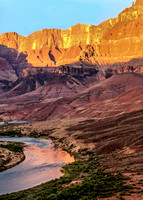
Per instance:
{"type": "Point", "coordinates": [42, 163]}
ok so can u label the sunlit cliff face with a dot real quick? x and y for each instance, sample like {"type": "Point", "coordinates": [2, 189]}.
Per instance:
{"type": "Point", "coordinates": [119, 39]}
{"type": "Point", "coordinates": [139, 2]}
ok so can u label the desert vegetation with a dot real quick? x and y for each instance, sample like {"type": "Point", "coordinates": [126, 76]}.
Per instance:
{"type": "Point", "coordinates": [83, 179]}
{"type": "Point", "coordinates": [11, 153]}
{"type": "Point", "coordinates": [108, 160]}
{"type": "Point", "coordinates": [10, 133]}
{"type": "Point", "coordinates": [13, 146]}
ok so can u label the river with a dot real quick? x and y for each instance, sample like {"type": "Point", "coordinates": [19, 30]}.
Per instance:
{"type": "Point", "coordinates": [12, 122]}
{"type": "Point", "coordinates": [42, 163]}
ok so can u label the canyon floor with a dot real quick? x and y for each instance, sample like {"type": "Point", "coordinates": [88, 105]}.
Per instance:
{"type": "Point", "coordinates": [115, 141]}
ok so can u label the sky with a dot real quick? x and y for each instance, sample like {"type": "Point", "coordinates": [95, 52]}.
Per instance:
{"type": "Point", "coordinates": [27, 16]}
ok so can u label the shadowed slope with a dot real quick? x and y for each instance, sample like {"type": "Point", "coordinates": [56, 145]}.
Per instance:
{"type": "Point", "coordinates": [11, 65]}
{"type": "Point", "coordinates": [118, 94]}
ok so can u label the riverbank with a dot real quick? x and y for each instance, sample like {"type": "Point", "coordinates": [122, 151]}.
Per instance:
{"type": "Point", "coordinates": [11, 154]}
{"type": "Point", "coordinates": [83, 179]}
{"type": "Point", "coordinates": [108, 150]}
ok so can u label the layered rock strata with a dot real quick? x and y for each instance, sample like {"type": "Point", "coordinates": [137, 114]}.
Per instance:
{"type": "Point", "coordinates": [118, 39]}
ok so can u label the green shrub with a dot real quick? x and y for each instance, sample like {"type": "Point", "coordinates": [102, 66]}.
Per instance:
{"type": "Point", "coordinates": [16, 147]}
{"type": "Point", "coordinates": [11, 133]}
{"type": "Point", "coordinates": [95, 183]}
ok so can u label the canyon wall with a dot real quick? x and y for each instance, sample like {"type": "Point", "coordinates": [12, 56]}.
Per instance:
{"type": "Point", "coordinates": [115, 40]}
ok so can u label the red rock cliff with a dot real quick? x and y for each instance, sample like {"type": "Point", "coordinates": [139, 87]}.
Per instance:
{"type": "Point", "coordinates": [118, 39]}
